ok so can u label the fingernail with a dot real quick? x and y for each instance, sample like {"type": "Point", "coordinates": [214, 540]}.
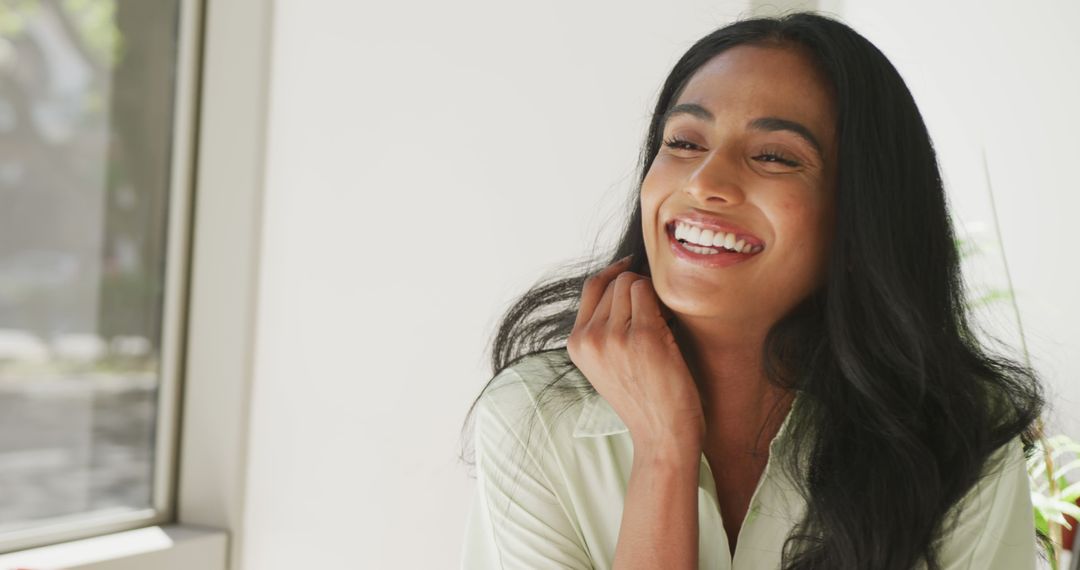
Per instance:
{"type": "Point", "coordinates": [627, 258]}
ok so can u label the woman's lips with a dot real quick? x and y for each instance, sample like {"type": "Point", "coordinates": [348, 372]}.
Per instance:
{"type": "Point", "coordinates": [723, 259]}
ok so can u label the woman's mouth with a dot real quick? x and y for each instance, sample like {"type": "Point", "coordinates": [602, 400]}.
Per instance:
{"type": "Point", "coordinates": [709, 256]}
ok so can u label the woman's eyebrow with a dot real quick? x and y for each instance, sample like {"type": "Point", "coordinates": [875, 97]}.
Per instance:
{"type": "Point", "coordinates": [778, 124]}
{"type": "Point", "coordinates": [758, 124]}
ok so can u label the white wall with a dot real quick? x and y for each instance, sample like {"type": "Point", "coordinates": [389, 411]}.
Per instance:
{"type": "Point", "coordinates": [426, 163]}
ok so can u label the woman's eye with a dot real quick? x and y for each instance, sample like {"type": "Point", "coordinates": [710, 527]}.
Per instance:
{"type": "Point", "coordinates": [767, 156]}
{"type": "Point", "coordinates": [776, 157]}
{"type": "Point", "coordinates": [680, 144]}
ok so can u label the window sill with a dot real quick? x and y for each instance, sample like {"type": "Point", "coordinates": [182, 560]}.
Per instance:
{"type": "Point", "coordinates": [171, 547]}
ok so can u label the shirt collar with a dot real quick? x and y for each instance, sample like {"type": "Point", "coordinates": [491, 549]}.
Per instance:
{"type": "Point", "coordinates": [598, 418]}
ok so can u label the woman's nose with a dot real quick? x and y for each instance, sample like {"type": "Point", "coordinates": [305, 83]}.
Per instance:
{"type": "Point", "coordinates": [716, 180]}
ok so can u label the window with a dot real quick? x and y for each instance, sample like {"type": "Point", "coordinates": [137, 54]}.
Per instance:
{"type": "Point", "coordinates": [93, 231]}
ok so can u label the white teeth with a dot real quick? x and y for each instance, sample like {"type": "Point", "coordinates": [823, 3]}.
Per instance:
{"type": "Point", "coordinates": [696, 249]}
{"type": "Point", "coordinates": [694, 234]}
{"type": "Point", "coordinates": [712, 239]}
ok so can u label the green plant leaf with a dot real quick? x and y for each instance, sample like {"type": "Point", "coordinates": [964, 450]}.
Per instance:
{"type": "Point", "coordinates": [1070, 493]}
{"type": "Point", "coordinates": [1040, 522]}
{"type": "Point", "coordinates": [1067, 468]}
{"type": "Point", "coordinates": [990, 297]}
{"type": "Point", "coordinates": [1042, 502]}
{"type": "Point", "coordinates": [1068, 508]}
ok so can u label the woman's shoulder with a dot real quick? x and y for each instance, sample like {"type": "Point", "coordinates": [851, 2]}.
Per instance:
{"type": "Point", "coordinates": [1006, 464]}
{"type": "Point", "coordinates": [535, 377]}
{"type": "Point", "coordinates": [992, 525]}
{"type": "Point", "coordinates": [527, 493]}
{"type": "Point", "coordinates": [539, 395]}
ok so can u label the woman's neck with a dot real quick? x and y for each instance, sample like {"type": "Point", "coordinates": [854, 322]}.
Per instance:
{"type": "Point", "coordinates": [736, 397]}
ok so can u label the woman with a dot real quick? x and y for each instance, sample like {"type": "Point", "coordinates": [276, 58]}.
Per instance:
{"type": "Point", "coordinates": [780, 372]}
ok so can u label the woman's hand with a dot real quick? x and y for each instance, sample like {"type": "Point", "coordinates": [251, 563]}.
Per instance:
{"type": "Point", "coordinates": [624, 347]}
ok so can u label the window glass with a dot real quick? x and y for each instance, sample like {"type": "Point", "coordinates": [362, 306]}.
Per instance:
{"type": "Point", "coordinates": [86, 109]}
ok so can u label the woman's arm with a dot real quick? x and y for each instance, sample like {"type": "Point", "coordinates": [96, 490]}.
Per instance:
{"type": "Point", "coordinates": [623, 345]}
{"type": "Point", "coordinates": [659, 527]}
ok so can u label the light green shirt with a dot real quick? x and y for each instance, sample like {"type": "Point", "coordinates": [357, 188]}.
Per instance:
{"type": "Point", "coordinates": [560, 504]}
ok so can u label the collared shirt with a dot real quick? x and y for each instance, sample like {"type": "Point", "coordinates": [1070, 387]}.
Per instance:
{"type": "Point", "coordinates": [553, 497]}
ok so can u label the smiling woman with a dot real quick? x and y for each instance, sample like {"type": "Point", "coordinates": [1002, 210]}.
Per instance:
{"type": "Point", "coordinates": [779, 371]}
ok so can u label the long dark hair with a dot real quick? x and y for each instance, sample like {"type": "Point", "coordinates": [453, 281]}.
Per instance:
{"type": "Point", "coordinates": [887, 364]}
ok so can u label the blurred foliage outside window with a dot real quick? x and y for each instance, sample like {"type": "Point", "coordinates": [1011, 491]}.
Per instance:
{"type": "Point", "coordinates": [86, 106]}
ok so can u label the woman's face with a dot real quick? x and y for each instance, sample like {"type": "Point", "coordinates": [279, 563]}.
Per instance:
{"type": "Point", "coordinates": [714, 168]}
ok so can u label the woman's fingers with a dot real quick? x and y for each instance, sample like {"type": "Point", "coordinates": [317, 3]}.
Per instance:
{"type": "Point", "coordinates": [645, 304]}
{"type": "Point", "coordinates": [619, 318]}
{"type": "Point", "coordinates": [598, 320]}
{"type": "Point", "coordinates": [593, 290]}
